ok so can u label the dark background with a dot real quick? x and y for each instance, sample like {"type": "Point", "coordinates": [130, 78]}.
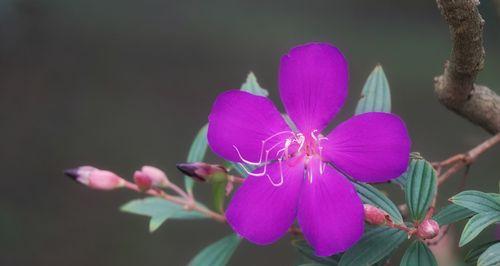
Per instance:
{"type": "Point", "coordinates": [118, 84]}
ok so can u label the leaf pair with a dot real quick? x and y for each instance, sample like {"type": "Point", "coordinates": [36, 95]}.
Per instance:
{"type": "Point", "coordinates": [487, 207]}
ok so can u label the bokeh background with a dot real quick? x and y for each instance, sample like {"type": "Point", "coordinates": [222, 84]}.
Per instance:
{"type": "Point", "coordinates": [121, 83]}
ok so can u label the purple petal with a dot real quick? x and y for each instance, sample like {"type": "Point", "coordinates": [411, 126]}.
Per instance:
{"type": "Point", "coordinates": [371, 147]}
{"type": "Point", "coordinates": [262, 212]}
{"type": "Point", "coordinates": [313, 84]}
{"type": "Point", "coordinates": [330, 212]}
{"type": "Point", "coordinates": [242, 120]}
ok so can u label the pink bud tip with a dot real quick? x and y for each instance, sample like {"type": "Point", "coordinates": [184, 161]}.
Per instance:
{"type": "Point", "coordinates": [149, 177]}
{"type": "Point", "coordinates": [374, 215]}
{"type": "Point", "coordinates": [428, 229]}
{"type": "Point", "coordinates": [95, 178]}
{"type": "Point", "coordinates": [202, 171]}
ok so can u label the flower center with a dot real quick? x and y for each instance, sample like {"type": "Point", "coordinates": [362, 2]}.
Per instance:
{"type": "Point", "coordinates": [289, 148]}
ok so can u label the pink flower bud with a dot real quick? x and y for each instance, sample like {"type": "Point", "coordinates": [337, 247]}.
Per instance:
{"type": "Point", "coordinates": [142, 181]}
{"type": "Point", "coordinates": [374, 215]}
{"type": "Point", "coordinates": [95, 178]}
{"type": "Point", "coordinates": [203, 171]}
{"type": "Point", "coordinates": [428, 229]}
{"type": "Point", "coordinates": [149, 177]}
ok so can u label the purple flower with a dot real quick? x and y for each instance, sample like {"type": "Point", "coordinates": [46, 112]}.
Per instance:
{"type": "Point", "coordinates": [301, 173]}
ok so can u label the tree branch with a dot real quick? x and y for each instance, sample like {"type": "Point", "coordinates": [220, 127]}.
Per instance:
{"type": "Point", "coordinates": [455, 88]}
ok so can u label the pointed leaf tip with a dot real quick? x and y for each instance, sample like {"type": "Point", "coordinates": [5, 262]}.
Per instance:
{"type": "Point", "coordinates": [376, 94]}
{"type": "Point", "coordinates": [252, 86]}
{"type": "Point", "coordinates": [218, 253]}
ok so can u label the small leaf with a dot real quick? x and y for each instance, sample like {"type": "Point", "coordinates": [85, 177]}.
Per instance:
{"type": "Point", "coordinates": [401, 181]}
{"type": "Point", "coordinates": [420, 189]}
{"type": "Point", "coordinates": [418, 254]}
{"type": "Point", "coordinates": [196, 153]}
{"type": "Point", "coordinates": [491, 257]}
{"type": "Point", "coordinates": [371, 195]}
{"type": "Point", "coordinates": [376, 95]}
{"type": "Point", "coordinates": [452, 214]}
{"type": "Point", "coordinates": [376, 244]}
{"type": "Point", "coordinates": [159, 210]}
{"type": "Point", "coordinates": [307, 251]}
{"type": "Point", "coordinates": [473, 254]}
{"type": "Point", "coordinates": [477, 201]}
{"type": "Point", "coordinates": [252, 86]}
{"type": "Point", "coordinates": [477, 224]}
{"type": "Point", "coordinates": [218, 253]}
{"type": "Point", "coordinates": [219, 195]}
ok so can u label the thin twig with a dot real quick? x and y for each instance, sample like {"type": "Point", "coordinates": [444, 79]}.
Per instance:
{"type": "Point", "coordinates": [459, 161]}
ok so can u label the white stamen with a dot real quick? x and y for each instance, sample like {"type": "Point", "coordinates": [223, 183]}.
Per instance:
{"type": "Point", "coordinates": [281, 176]}
{"type": "Point", "coordinates": [262, 146]}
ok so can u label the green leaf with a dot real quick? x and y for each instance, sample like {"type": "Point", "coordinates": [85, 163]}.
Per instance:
{"type": "Point", "coordinates": [376, 244]}
{"type": "Point", "coordinates": [477, 224]}
{"type": "Point", "coordinates": [219, 195]}
{"type": "Point", "coordinates": [473, 254]}
{"type": "Point", "coordinates": [420, 189]}
{"type": "Point", "coordinates": [371, 195]}
{"type": "Point", "coordinates": [252, 86]}
{"type": "Point", "coordinates": [376, 95]}
{"type": "Point", "coordinates": [477, 201]}
{"type": "Point", "coordinates": [401, 181]}
{"type": "Point", "coordinates": [452, 214]}
{"type": "Point", "coordinates": [159, 210]}
{"type": "Point", "coordinates": [196, 153]}
{"type": "Point", "coordinates": [218, 253]}
{"type": "Point", "coordinates": [491, 257]}
{"type": "Point", "coordinates": [418, 254]}
{"type": "Point", "coordinates": [308, 252]}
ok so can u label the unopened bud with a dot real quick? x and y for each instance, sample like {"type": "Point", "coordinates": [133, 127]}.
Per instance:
{"type": "Point", "coordinates": [203, 171]}
{"type": "Point", "coordinates": [150, 177]}
{"type": "Point", "coordinates": [95, 178]}
{"type": "Point", "coordinates": [374, 215]}
{"type": "Point", "coordinates": [428, 229]}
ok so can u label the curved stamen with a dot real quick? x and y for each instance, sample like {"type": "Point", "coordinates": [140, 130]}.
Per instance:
{"type": "Point", "coordinates": [281, 176]}
{"type": "Point", "coordinates": [263, 172]}
{"type": "Point", "coordinates": [262, 146]}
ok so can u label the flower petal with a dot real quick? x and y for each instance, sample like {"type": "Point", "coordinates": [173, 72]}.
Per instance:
{"type": "Point", "coordinates": [313, 84]}
{"type": "Point", "coordinates": [262, 212]}
{"type": "Point", "coordinates": [240, 119]}
{"type": "Point", "coordinates": [371, 147]}
{"type": "Point", "coordinates": [330, 212]}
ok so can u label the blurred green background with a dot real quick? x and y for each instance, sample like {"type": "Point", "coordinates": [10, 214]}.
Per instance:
{"type": "Point", "coordinates": [118, 84]}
